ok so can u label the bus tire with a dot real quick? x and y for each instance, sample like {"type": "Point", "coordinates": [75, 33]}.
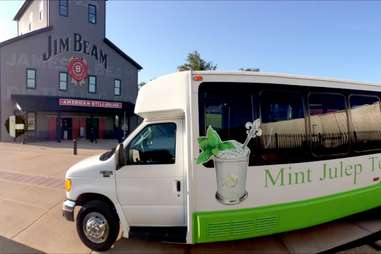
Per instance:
{"type": "Point", "coordinates": [97, 225]}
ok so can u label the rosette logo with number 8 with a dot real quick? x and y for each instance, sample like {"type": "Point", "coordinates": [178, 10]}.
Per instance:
{"type": "Point", "coordinates": [78, 70]}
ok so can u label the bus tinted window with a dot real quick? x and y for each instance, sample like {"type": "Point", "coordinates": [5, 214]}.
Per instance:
{"type": "Point", "coordinates": [366, 122]}
{"type": "Point", "coordinates": [299, 123]}
{"type": "Point", "coordinates": [227, 108]}
{"type": "Point", "coordinates": [329, 124]}
{"type": "Point", "coordinates": [227, 112]}
{"type": "Point", "coordinates": [155, 144]}
{"type": "Point", "coordinates": [283, 125]}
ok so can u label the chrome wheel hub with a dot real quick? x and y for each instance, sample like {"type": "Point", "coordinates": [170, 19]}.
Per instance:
{"type": "Point", "coordinates": [95, 227]}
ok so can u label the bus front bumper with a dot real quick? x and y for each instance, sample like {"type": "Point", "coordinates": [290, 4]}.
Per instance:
{"type": "Point", "coordinates": [68, 209]}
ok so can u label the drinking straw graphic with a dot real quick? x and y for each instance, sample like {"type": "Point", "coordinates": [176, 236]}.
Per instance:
{"type": "Point", "coordinates": [253, 130]}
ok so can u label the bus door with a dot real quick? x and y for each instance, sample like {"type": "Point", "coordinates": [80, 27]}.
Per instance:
{"type": "Point", "coordinates": [150, 188]}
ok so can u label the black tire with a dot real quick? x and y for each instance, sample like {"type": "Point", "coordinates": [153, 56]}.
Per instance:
{"type": "Point", "coordinates": [97, 206]}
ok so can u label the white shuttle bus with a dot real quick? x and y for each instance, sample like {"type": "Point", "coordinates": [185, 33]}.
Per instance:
{"type": "Point", "coordinates": [224, 156]}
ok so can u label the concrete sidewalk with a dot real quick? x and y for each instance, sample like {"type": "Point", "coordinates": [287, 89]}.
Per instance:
{"type": "Point", "coordinates": [30, 214]}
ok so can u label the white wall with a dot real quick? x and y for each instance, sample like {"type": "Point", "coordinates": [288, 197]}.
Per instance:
{"type": "Point", "coordinates": [31, 20]}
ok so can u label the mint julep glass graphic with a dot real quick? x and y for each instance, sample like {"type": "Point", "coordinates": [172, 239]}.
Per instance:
{"type": "Point", "coordinates": [231, 160]}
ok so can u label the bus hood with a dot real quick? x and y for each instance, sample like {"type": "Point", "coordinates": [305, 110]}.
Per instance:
{"type": "Point", "coordinates": [90, 167]}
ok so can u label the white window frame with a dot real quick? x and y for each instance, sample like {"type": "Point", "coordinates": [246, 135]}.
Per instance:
{"type": "Point", "coordinates": [117, 81]}
{"type": "Point", "coordinates": [29, 79]}
{"type": "Point", "coordinates": [60, 81]}
{"type": "Point", "coordinates": [89, 14]}
{"type": "Point", "coordinates": [90, 84]}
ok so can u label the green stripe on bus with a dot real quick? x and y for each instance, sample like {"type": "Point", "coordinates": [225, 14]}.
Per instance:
{"type": "Point", "coordinates": [252, 222]}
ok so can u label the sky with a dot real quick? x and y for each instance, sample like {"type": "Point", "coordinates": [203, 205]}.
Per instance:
{"type": "Point", "coordinates": [338, 39]}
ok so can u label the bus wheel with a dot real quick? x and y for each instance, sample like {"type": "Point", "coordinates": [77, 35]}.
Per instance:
{"type": "Point", "coordinates": [97, 225]}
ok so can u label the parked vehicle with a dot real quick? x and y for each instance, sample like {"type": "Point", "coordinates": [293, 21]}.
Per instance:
{"type": "Point", "coordinates": [225, 156]}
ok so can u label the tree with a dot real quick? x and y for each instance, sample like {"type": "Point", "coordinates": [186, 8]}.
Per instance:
{"type": "Point", "coordinates": [250, 69]}
{"type": "Point", "coordinates": [141, 84]}
{"type": "Point", "coordinates": [196, 63]}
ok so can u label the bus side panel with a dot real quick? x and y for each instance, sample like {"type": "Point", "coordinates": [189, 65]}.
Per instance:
{"type": "Point", "coordinates": [252, 222]}
{"type": "Point", "coordinates": [280, 197]}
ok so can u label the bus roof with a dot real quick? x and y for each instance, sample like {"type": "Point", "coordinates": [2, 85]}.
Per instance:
{"type": "Point", "coordinates": [164, 96]}
{"type": "Point", "coordinates": [282, 75]}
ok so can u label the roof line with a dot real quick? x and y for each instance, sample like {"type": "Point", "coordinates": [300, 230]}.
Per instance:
{"type": "Point", "coordinates": [285, 75]}
{"type": "Point", "coordinates": [20, 37]}
{"type": "Point", "coordinates": [122, 54]}
{"type": "Point", "coordinates": [22, 9]}
{"type": "Point", "coordinates": [66, 97]}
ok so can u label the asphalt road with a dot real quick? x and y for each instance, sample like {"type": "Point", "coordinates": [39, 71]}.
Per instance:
{"type": "Point", "coordinates": [31, 195]}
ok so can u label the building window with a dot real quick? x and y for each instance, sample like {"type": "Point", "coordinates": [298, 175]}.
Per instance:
{"type": "Point", "coordinates": [63, 81]}
{"type": "Point", "coordinates": [41, 10]}
{"type": "Point", "coordinates": [63, 7]}
{"type": "Point", "coordinates": [92, 14]}
{"type": "Point", "coordinates": [30, 21]}
{"type": "Point", "coordinates": [30, 78]}
{"type": "Point", "coordinates": [117, 87]}
{"type": "Point", "coordinates": [31, 121]}
{"type": "Point", "coordinates": [92, 84]}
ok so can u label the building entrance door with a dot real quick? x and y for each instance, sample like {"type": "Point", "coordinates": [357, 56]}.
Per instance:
{"type": "Point", "coordinates": [92, 129]}
{"type": "Point", "coordinates": [66, 130]}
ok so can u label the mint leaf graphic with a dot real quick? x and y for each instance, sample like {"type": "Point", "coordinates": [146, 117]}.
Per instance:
{"type": "Point", "coordinates": [211, 145]}
{"type": "Point", "coordinates": [225, 145]}
{"type": "Point", "coordinates": [215, 151]}
{"type": "Point", "coordinates": [204, 157]}
{"type": "Point", "coordinates": [213, 137]}
{"type": "Point", "coordinates": [203, 143]}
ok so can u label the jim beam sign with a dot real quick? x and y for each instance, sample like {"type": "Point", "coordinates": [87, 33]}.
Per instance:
{"type": "Point", "coordinates": [77, 45]}
{"type": "Point", "coordinates": [78, 70]}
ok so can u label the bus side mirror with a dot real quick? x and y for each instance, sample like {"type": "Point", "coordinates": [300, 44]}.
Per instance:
{"type": "Point", "coordinates": [120, 157]}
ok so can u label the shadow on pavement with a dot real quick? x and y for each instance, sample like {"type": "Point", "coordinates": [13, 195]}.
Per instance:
{"type": "Point", "coordinates": [255, 245]}
{"type": "Point", "coordinates": [146, 246]}
{"type": "Point", "coordinates": [8, 246]}
{"type": "Point", "coordinates": [105, 144]}
{"type": "Point", "coordinates": [306, 239]}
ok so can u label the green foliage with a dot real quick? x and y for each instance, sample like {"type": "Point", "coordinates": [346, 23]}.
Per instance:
{"type": "Point", "coordinates": [141, 84]}
{"type": "Point", "coordinates": [250, 69]}
{"type": "Point", "coordinates": [211, 145]}
{"type": "Point", "coordinates": [196, 63]}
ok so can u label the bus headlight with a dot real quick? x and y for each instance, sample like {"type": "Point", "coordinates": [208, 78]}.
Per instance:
{"type": "Point", "coordinates": [68, 184]}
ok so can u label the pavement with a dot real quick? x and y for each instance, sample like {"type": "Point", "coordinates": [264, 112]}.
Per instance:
{"type": "Point", "coordinates": [31, 195]}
